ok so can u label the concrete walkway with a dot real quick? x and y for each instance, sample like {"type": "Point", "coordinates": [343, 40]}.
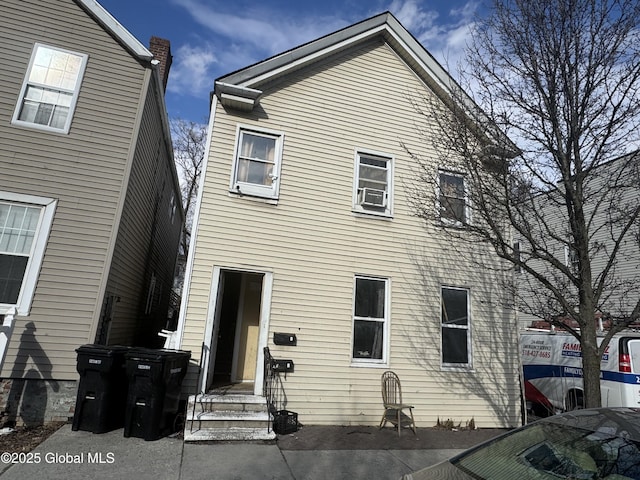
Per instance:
{"type": "Point", "coordinates": [82, 455]}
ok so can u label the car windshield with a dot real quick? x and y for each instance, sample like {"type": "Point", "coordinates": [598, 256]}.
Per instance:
{"type": "Point", "coordinates": [551, 450]}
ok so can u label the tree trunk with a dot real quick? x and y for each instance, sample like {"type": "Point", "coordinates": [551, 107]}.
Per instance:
{"type": "Point", "coordinates": [590, 365]}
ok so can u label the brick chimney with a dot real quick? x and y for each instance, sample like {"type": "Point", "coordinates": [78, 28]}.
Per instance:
{"type": "Point", "coordinates": [161, 50]}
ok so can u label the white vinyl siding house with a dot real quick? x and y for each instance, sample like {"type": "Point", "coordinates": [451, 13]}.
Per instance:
{"type": "Point", "coordinates": [355, 275]}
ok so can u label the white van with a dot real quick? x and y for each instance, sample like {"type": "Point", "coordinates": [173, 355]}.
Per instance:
{"type": "Point", "coordinates": [552, 369]}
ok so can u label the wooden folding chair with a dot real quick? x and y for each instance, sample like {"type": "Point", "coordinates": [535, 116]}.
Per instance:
{"type": "Point", "coordinates": [393, 406]}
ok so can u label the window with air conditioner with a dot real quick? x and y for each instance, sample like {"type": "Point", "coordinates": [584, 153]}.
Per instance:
{"type": "Point", "coordinates": [373, 184]}
{"type": "Point", "coordinates": [50, 89]}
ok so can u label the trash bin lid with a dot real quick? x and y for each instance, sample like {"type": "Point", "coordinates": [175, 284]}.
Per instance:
{"type": "Point", "coordinates": [155, 354]}
{"type": "Point", "coordinates": [106, 350]}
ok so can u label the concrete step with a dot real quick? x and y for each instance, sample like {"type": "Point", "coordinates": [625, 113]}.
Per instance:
{"type": "Point", "coordinates": [209, 402]}
{"type": "Point", "coordinates": [229, 434]}
{"type": "Point", "coordinates": [228, 416]}
{"type": "Point", "coordinates": [228, 419]}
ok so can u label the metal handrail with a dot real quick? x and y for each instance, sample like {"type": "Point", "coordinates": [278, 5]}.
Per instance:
{"type": "Point", "coordinates": [195, 397]}
{"type": "Point", "coordinates": [267, 386]}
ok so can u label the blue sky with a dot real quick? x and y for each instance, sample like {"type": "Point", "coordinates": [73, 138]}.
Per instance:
{"type": "Point", "coordinates": [210, 38]}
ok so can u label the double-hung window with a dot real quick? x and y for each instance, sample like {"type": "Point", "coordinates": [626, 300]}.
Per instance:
{"type": "Point", "coordinates": [256, 169]}
{"type": "Point", "coordinates": [25, 222]}
{"type": "Point", "coordinates": [370, 320]}
{"type": "Point", "coordinates": [50, 89]}
{"type": "Point", "coordinates": [455, 323]}
{"type": "Point", "coordinates": [452, 199]}
{"type": "Point", "coordinates": [373, 184]}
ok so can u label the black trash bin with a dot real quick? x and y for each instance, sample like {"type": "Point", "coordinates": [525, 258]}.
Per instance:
{"type": "Point", "coordinates": [102, 390]}
{"type": "Point", "coordinates": [153, 400]}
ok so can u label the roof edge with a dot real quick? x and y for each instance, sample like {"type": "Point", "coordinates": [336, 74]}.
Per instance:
{"type": "Point", "coordinates": [109, 23]}
{"type": "Point", "coordinates": [246, 76]}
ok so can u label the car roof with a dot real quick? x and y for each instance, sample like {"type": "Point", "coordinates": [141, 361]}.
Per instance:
{"type": "Point", "coordinates": [621, 422]}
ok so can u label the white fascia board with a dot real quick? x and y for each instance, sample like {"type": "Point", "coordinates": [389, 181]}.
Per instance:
{"type": "Point", "coordinates": [237, 91]}
{"type": "Point", "coordinates": [430, 66]}
{"type": "Point", "coordinates": [116, 28]}
{"type": "Point", "coordinates": [312, 56]}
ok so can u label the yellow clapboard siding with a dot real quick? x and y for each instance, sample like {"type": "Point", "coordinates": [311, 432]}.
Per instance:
{"type": "Point", "coordinates": [314, 245]}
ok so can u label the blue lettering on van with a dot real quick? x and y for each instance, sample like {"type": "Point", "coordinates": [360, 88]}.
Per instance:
{"type": "Point", "coordinates": [532, 372]}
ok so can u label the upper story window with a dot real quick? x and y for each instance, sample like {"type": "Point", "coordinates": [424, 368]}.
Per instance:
{"type": "Point", "coordinates": [25, 222]}
{"type": "Point", "coordinates": [256, 168]}
{"type": "Point", "coordinates": [373, 184]}
{"type": "Point", "coordinates": [517, 257]}
{"type": "Point", "coordinates": [452, 199]}
{"type": "Point", "coordinates": [370, 320]}
{"type": "Point", "coordinates": [455, 324]}
{"type": "Point", "coordinates": [50, 89]}
{"type": "Point", "coordinates": [571, 259]}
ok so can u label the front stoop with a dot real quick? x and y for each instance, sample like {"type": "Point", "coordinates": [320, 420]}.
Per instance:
{"type": "Point", "coordinates": [227, 417]}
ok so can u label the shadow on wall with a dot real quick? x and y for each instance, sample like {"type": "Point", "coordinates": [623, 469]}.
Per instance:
{"type": "Point", "coordinates": [28, 396]}
{"type": "Point", "coordinates": [492, 378]}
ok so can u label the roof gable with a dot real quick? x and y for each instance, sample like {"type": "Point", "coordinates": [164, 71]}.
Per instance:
{"type": "Point", "coordinates": [241, 89]}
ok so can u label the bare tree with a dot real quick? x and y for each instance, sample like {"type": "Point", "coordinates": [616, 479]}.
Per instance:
{"type": "Point", "coordinates": [562, 79]}
{"type": "Point", "coordinates": [189, 144]}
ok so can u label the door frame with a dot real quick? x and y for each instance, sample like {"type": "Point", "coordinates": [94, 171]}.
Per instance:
{"type": "Point", "coordinates": [212, 325]}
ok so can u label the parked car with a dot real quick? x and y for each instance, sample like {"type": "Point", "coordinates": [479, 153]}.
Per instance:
{"type": "Point", "coordinates": [601, 443]}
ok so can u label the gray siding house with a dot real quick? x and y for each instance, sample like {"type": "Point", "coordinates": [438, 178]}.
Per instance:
{"type": "Point", "coordinates": [90, 209]}
{"type": "Point", "coordinates": [612, 195]}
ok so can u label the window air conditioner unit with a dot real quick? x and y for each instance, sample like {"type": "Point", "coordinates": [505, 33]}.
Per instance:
{"type": "Point", "coordinates": [371, 197]}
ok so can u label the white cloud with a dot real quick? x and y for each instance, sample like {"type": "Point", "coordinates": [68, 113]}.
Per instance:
{"type": "Point", "coordinates": [444, 37]}
{"type": "Point", "coordinates": [265, 32]}
{"type": "Point", "coordinates": [420, 22]}
{"type": "Point", "coordinates": [190, 73]}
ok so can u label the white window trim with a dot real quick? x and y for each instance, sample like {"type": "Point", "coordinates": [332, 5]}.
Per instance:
{"type": "Point", "coordinates": [25, 298]}
{"type": "Point", "coordinates": [517, 253]}
{"type": "Point", "coordinates": [467, 210]}
{"type": "Point", "coordinates": [370, 362]}
{"type": "Point", "coordinates": [356, 207]}
{"type": "Point", "coordinates": [571, 260]}
{"type": "Point", "coordinates": [25, 83]}
{"type": "Point", "coordinates": [241, 188]}
{"type": "Point", "coordinates": [457, 366]}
